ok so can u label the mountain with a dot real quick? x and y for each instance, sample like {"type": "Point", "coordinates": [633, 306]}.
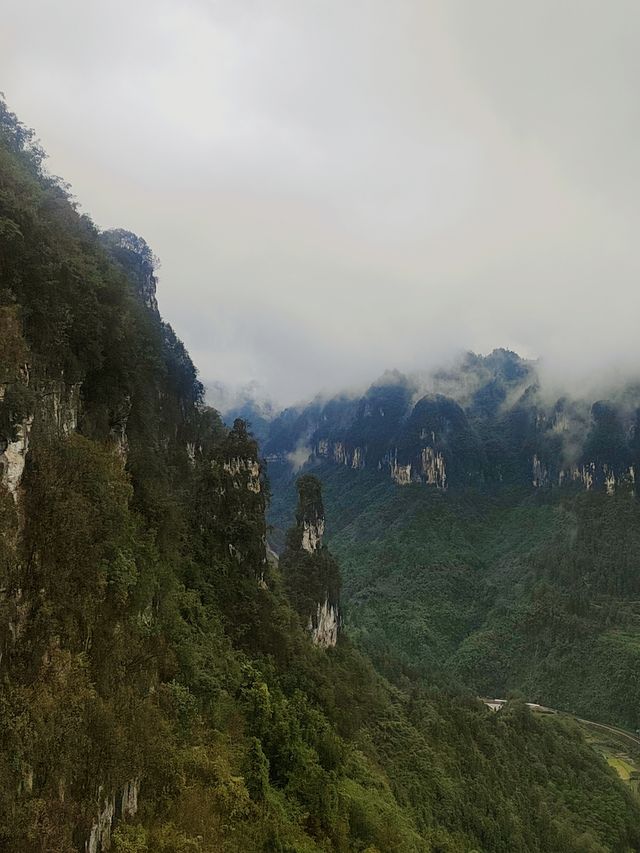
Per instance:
{"type": "Point", "coordinates": [248, 402]}
{"type": "Point", "coordinates": [488, 534]}
{"type": "Point", "coordinates": [484, 422]}
{"type": "Point", "coordinates": [166, 686]}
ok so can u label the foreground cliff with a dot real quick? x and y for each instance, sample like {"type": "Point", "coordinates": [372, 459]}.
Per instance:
{"type": "Point", "coordinates": [159, 691]}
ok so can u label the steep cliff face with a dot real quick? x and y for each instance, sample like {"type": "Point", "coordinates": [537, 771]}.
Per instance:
{"type": "Point", "coordinates": [121, 806]}
{"type": "Point", "coordinates": [499, 429]}
{"type": "Point", "coordinates": [31, 402]}
{"type": "Point", "coordinates": [310, 521]}
{"type": "Point", "coordinates": [12, 458]}
{"type": "Point", "coordinates": [133, 254]}
{"type": "Point", "coordinates": [111, 470]}
{"type": "Point", "coordinates": [539, 473]}
{"type": "Point", "coordinates": [311, 575]}
{"type": "Point", "coordinates": [16, 404]}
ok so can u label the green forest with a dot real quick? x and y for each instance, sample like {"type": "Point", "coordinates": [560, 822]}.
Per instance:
{"type": "Point", "coordinates": [160, 689]}
{"type": "Point", "coordinates": [496, 589]}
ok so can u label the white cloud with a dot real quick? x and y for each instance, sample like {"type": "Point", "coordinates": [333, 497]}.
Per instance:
{"type": "Point", "coordinates": [336, 188]}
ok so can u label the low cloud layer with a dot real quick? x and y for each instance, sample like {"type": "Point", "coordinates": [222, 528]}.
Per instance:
{"type": "Point", "coordinates": [337, 188]}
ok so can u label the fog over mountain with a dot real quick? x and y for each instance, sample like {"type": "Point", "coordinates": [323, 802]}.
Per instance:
{"type": "Point", "coordinates": [339, 188]}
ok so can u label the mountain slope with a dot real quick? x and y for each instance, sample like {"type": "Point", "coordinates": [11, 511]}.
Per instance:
{"type": "Point", "coordinates": [488, 538]}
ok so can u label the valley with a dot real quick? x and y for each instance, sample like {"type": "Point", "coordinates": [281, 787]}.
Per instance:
{"type": "Point", "coordinates": [620, 748]}
{"type": "Point", "coordinates": [501, 577]}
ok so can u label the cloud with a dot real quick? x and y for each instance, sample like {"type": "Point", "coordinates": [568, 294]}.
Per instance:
{"type": "Point", "coordinates": [299, 457]}
{"type": "Point", "coordinates": [339, 188]}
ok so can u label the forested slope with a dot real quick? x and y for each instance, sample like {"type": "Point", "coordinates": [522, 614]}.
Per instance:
{"type": "Point", "coordinates": [508, 589]}
{"type": "Point", "coordinates": [159, 691]}
{"type": "Point", "coordinates": [510, 559]}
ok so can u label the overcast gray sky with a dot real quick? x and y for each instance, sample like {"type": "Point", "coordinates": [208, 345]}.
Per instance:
{"type": "Point", "coordinates": [336, 187]}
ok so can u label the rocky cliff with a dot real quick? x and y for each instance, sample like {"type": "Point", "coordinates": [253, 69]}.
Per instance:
{"type": "Point", "coordinates": [494, 425]}
{"type": "Point", "coordinates": [109, 465]}
{"type": "Point", "coordinates": [311, 575]}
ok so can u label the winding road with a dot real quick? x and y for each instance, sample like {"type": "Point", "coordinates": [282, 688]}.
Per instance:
{"type": "Point", "coordinates": [619, 732]}
{"type": "Point", "coordinates": [496, 704]}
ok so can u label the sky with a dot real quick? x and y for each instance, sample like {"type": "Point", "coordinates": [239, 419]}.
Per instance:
{"type": "Point", "coordinates": [338, 187]}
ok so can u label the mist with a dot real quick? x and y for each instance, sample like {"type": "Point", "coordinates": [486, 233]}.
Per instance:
{"type": "Point", "coordinates": [335, 188]}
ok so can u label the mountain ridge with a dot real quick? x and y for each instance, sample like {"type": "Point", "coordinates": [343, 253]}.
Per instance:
{"type": "Point", "coordinates": [493, 426]}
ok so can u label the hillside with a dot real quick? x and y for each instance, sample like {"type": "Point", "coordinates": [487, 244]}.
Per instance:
{"type": "Point", "coordinates": [488, 538]}
{"type": "Point", "coordinates": [167, 688]}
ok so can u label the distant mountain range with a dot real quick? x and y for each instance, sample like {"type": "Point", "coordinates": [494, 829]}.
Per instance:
{"type": "Point", "coordinates": [485, 421]}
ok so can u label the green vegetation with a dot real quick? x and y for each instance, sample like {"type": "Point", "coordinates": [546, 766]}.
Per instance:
{"type": "Point", "coordinates": [147, 644]}
{"type": "Point", "coordinates": [498, 590]}
{"type": "Point", "coordinates": [620, 750]}
{"type": "Point", "coordinates": [622, 767]}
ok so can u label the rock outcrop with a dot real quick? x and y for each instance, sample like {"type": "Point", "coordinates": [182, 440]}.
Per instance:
{"type": "Point", "coordinates": [54, 407]}
{"type": "Point", "coordinates": [112, 807]}
{"type": "Point", "coordinates": [485, 423]}
{"type": "Point", "coordinates": [311, 574]}
{"type": "Point", "coordinates": [13, 455]}
{"type": "Point", "coordinates": [245, 473]}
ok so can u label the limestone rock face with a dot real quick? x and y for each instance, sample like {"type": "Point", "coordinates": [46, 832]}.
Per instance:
{"type": "Point", "coordinates": [312, 532]}
{"type": "Point", "coordinates": [113, 807]}
{"type": "Point", "coordinates": [609, 480]}
{"type": "Point", "coordinates": [55, 410]}
{"type": "Point", "coordinates": [12, 458]}
{"type": "Point", "coordinates": [246, 473]}
{"type": "Point", "coordinates": [400, 474]}
{"type": "Point", "coordinates": [311, 574]}
{"type": "Point", "coordinates": [540, 475]}
{"type": "Point", "coordinates": [582, 474]}
{"type": "Point", "coordinates": [310, 514]}
{"type": "Point", "coordinates": [427, 467]}
{"type": "Point", "coordinates": [239, 502]}
{"type": "Point", "coordinates": [134, 253]}
{"type": "Point", "coordinates": [357, 460]}
{"type": "Point", "coordinates": [324, 629]}
{"type": "Point", "coordinates": [129, 799]}
{"type": "Point", "coordinates": [100, 836]}
{"type": "Point", "coordinates": [62, 404]}
{"type": "Point", "coordinates": [340, 453]}
{"type": "Point", "coordinates": [119, 428]}
{"type": "Point", "coordinates": [434, 470]}
{"type": "Point", "coordinates": [148, 291]}
{"type": "Point", "coordinates": [486, 420]}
